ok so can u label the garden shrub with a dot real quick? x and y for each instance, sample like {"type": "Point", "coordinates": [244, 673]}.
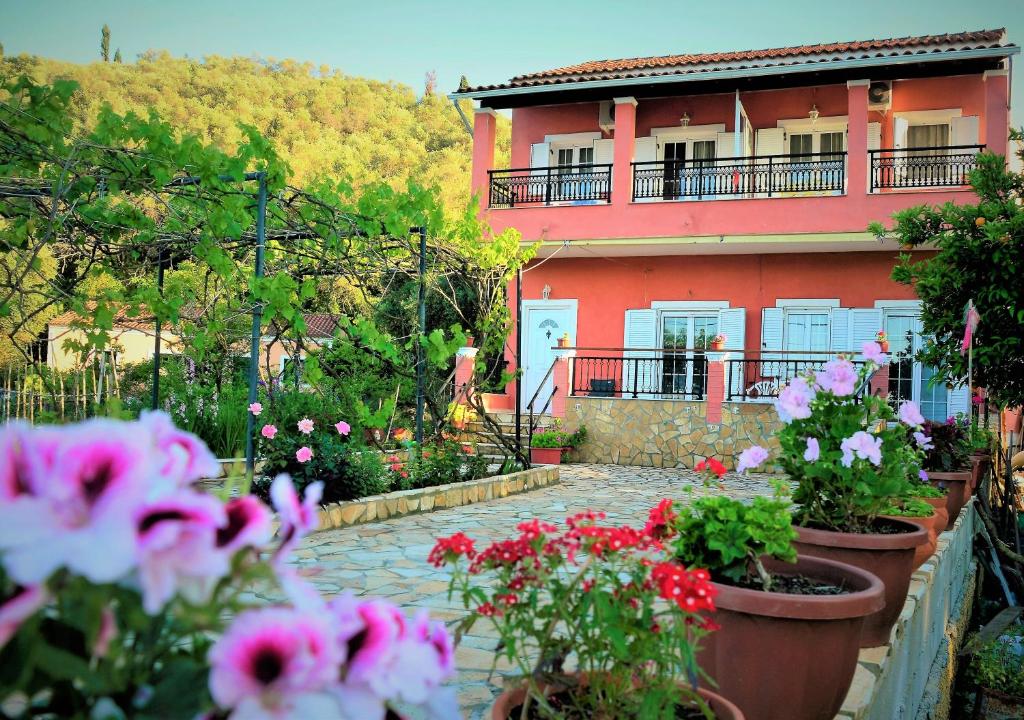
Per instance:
{"type": "Point", "coordinates": [950, 449]}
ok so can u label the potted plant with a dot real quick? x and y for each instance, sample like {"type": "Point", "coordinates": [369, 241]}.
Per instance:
{"type": "Point", "coordinates": [981, 442]}
{"type": "Point", "coordinates": [997, 671]}
{"type": "Point", "coordinates": [947, 463]}
{"type": "Point", "coordinates": [882, 338]}
{"type": "Point", "coordinates": [920, 511]}
{"type": "Point", "coordinates": [936, 497]}
{"type": "Point", "coordinates": [718, 341]}
{"type": "Point", "coordinates": [790, 626]}
{"type": "Point", "coordinates": [546, 447]}
{"type": "Point", "coordinates": [590, 592]}
{"type": "Point", "coordinates": [847, 459]}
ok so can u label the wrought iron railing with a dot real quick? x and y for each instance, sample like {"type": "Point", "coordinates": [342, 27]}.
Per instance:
{"type": "Point", "coordinates": [756, 175]}
{"type": "Point", "coordinates": [559, 184]}
{"type": "Point", "coordinates": [663, 374]}
{"type": "Point", "coordinates": [940, 166]}
{"type": "Point", "coordinates": [762, 377]}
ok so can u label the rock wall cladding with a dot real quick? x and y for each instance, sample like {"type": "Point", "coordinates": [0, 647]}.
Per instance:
{"type": "Point", "coordinates": [668, 433]}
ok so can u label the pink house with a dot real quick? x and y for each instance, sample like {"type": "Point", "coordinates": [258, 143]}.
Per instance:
{"type": "Point", "coordinates": [676, 198]}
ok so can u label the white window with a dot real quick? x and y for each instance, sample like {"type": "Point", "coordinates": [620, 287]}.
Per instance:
{"type": "Point", "coordinates": [806, 330]}
{"type": "Point", "coordinates": [685, 371]}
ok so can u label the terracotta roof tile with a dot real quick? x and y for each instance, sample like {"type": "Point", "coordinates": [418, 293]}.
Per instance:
{"type": "Point", "coordinates": [710, 62]}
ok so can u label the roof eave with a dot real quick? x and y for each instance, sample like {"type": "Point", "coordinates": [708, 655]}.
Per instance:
{"type": "Point", "coordinates": [855, 63]}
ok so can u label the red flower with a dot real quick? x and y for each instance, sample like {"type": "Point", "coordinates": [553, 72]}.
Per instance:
{"type": "Point", "coordinates": [659, 520]}
{"type": "Point", "coordinates": [691, 590]}
{"type": "Point", "coordinates": [710, 464]}
{"type": "Point", "coordinates": [451, 548]}
{"type": "Point", "coordinates": [488, 610]}
{"type": "Point", "coordinates": [396, 467]}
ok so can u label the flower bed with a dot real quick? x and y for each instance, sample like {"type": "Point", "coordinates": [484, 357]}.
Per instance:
{"type": "Point", "coordinates": [439, 497]}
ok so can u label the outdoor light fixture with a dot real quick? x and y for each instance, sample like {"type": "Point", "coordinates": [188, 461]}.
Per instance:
{"type": "Point", "coordinates": [685, 119]}
{"type": "Point", "coordinates": [546, 292]}
{"type": "Point", "coordinates": [813, 113]}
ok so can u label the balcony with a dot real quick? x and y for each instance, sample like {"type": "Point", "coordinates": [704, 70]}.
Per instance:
{"type": "Point", "coordinates": [556, 185]}
{"type": "Point", "coordinates": [922, 168]}
{"type": "Point", "coordinates": [752, 176]}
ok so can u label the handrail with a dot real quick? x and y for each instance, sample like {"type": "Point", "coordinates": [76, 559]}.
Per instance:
{"type": "Point", "coordinates": [703, 350]}
{"type": "Point", "coordinates": [872, 151]}
{"type": "Point", "coordinates": [832, 154]}
{"type": "Point", "coordinates": [539, 168]}
{"type": "Point", "coordinates": [541, 385]}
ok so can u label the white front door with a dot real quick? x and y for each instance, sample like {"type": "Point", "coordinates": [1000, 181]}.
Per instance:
{"type": "Point", "coordinates": [543, 323]}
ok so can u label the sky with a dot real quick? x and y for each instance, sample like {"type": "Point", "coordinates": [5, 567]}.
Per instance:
{"type": "Point", "coordinates": [487, 41]}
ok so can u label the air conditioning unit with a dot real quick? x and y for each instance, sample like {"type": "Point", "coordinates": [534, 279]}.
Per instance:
{"type": "Point", "coordinates": [606, 115]}
{"type": "Point", "coordinates": [880, 95]}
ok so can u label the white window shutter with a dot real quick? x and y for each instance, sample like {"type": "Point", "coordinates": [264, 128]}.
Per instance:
{"type": "Point", "coordinates": [965, 130]}
{"type": "Point", "coordinates": [641, 331]}
{"type": "Point", "coordinates": [899, 132]}
{"type": "Point", "coordinates": [540, 155]}
{"type": "Point", "coordinates": [771, 339]}
{"type": "Point", "coordinates": [604, 152]}
{"type": "Point", "coordinates": [840, 330]}
{"type": "Point", "coordinates": [874, 135]}
{"type": "Point", "coordinates": [771, 141]}
{"type": "Point", "coordinates": [959, 400]}
{"type": "Point", "coordinates": [864, 326]}
{"type": "Point", "coordinates": [645, 149]}
{"type": "Point", "coordinates": [725, 145]}
{"type": "Point", "coordinates": [733, 323]}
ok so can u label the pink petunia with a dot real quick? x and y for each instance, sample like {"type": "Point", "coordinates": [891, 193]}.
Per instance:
{"type": "Point", "coordinates": [910, 414]}
{"type": "Point", "coordinates": [751, 458]}
{"type": "Point", "coordinates": [304, 454]}
{"type": "Point", "coordinates": [305, 426]}
{"type": "Point", "coordinates": [342, 427]}
{"type": "Point", "coordinates": [839, 377]}
{"type": "Point", "coordinates": [84, 500]}
{"type": "Point", "coordinates": [863, 445]}
{"type": "Point", "coordinates": [268, 431]}
{"type": "Point", "coordinates": [106, 633]}
{"type": "Point", "coordinates": [794, 402]}
{"type": "Point", "coordinates": [873, 351]}
{"type": "Point", "coordinates": [186, 458]}
{"type": "Point", "coordinates": [256, 408]}
{"type": "Point", "coordinates": [276, 663]}
{"type": "Point", "coordinates": [19, 607]}
{"type": "Point", "coordinates": [176, 548]}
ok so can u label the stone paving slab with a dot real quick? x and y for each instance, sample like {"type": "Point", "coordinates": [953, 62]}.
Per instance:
{"type": "Point", "coordinates": [389, 559]}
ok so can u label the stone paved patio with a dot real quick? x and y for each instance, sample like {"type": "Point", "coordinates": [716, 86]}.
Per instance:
{"type": "Point", "coordinates": [389, 559]}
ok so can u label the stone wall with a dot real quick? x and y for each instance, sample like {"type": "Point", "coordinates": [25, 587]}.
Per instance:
{"type": "Point", "coordinates": [409, 502]}
{"type": "Point", "coordinates": [911, 678]}
{"type": "Point", "coordinates": [668, 433]}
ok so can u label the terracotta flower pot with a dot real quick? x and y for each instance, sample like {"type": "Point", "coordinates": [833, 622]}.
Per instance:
{"type": "Point", "coordinates": [1012, 419]}
{"type": "Point", "coordinates": [546, 456]}
{"type": "Point", "coordinates": [884, 345]}
{"type": "Point", "coordinates": [980, 462]}
{"type": "Point", "coordinates": [889, 556]}
{"type": "Point", "coordinates": [925, 550]}
{"type": "Point", "coordinates": [717, 345]}
{"type": "Point", "coordinates": [941, 513]}
{"type": "Point", "coordinates": [510, 699]}
{"type": "Point", "coordinates": [780, 656]}
{"type": "Point", "coordinates": [958, 491]}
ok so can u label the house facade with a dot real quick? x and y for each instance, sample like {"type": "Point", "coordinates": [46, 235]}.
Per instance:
{"type": "Point", "coordinates": [677, 198]}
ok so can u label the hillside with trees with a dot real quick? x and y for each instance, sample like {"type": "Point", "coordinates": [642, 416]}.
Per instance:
{"type": "Point", "coordinates": [322, 122]}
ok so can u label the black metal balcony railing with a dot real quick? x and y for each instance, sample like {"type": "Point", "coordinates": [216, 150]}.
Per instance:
{"type": "Point", "coordinates": [550, 185]}
{"type": "Point", "coordinates": [946, 166]}
{"type": "Point", "coordinates": [755, 378]}
{"type": "Point", "coordinates": [661, 374]}
{"type": "Point", "coordinates": [766, 175]}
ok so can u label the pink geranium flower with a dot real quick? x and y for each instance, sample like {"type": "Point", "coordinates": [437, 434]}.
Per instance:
{"type": "Point", "coordinates": [298, 518]}
{"type": "Point", "coordinates": [303, 454]}
{"type": "Point", "coordinates": [910, 414]}
{"type": "Point", "coordinates": [86, 500]}
{"type": "Point", "coordinates": [26, 458]}
{"type": "Point", "coordinates": [863, 445]}
{"type": "Point", "coordinates": [751, 458]}
{"type": "Point", "coordinates": [276, 663]}
{"type": "Point", "coordinates": [343, 427]}
{"type": "Point", "coordinates": [305, 426]}
{"type": "Point", "coordinates": [106, 634]}
{"type": "Point", "coordinates": [813, 451]}
{"type": "Point", "coordinates": [19, 607]}
{"type": "Point", "coordinates": [873, 351]}
{"type": "Point", "coordinates": [794, 402]}
{"type": "Point", "coordinates": [839, 376]}
{"type": "Point", "coordinates": [248, 525]}
{"type": "Point", "coordinates": [186, 458]}
{"type": "Point", "coordinates": [256, 408]}
{"type": "Point", "coordinates": [268, 431]}
{"type": "Point", "coordinates": [176, 542]}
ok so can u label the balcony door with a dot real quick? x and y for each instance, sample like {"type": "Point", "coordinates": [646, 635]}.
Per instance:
{"type": "Point", "coordinates": [926, 153]}
{"type": "Point", "coordinates": [911, 380]}
{"type": "Point", "coordinates": [573, 181]}
{"type": "Point", "coordinates": [688, 178]}
{"type": "Point", "coordinates": [685, 337]}
{"type": "Point", "coordinates": [810, 152]}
